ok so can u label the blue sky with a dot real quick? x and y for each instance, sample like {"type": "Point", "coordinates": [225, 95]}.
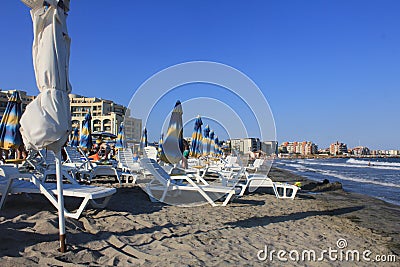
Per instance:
{"type": "Point", "coordinates": [330, 70]}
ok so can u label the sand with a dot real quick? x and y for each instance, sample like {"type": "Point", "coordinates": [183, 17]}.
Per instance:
{"type": "Point", "coordinates": [133, 231]}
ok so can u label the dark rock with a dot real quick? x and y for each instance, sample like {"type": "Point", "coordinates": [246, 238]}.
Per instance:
{"type": "Point", "coordinates": [329, 187]}
{"type": "Point", "coordinates": [325, 185]}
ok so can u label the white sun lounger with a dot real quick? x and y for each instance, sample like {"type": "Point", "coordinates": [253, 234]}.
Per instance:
{"type": "Point", "coordinates": [168, 184]}
{"type": "Point", "coordinates": [14, 182]}
{"type": "Point", "coordinates": [127, 165]}
{"type": "Point", "coordinates": [229, 164]}
{"type": "Point", "coordinates": [43, 162]}
{"type": "Point", "coordinates": [150, 152]}
{"type": "Point", "coordinates": [255, 166]}
{"type": "Point", "coordinates": [281, 190]}
{"type": "Point", "coordinates": [80, 161]}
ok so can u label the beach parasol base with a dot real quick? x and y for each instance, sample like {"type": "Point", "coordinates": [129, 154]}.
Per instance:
{"type": "Point", "coordinates": [63, 246]}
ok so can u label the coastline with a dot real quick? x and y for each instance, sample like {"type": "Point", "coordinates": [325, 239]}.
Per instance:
{"type": "Point", "coordinates": [379, 216]}
{"type": "Point", "coordinates": [320, 156]}
{"type": "Point", "coordinates": [133, 230]}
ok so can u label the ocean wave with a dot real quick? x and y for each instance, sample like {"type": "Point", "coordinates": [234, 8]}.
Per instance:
{"type": "Point", "coordinates": [357, 179]}
{"type": "Point", "coordinates": [350, 163]}
{"type": "Point", "coordinates": [302, 168]}
{"type": "Point", "coordinates": [374, 163]}
{"type": "Point", "coordinates": [298, 167]}
{"type": "Point", "coordinates": [386, 183]}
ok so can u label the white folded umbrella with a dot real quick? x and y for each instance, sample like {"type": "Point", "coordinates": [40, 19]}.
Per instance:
{"type": "Point", "coordinates": [46, 122]}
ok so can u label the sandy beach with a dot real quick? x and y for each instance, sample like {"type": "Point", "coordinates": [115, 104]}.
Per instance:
{"type": "Point", "coordinates": [134, 231]}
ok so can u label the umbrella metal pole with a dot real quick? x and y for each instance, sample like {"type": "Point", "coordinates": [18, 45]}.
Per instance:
{"type": "Point", "coordinates": [61, 218]}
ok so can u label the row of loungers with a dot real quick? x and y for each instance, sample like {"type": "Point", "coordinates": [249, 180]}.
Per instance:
{"type": "Point", "coordinates": [162, 186]}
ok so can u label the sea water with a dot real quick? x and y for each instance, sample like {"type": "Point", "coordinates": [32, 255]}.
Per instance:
{"type": "Point", "coordinates": [377, 177]}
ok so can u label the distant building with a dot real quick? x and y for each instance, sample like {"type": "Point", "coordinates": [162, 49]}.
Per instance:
{"type": "Point", "coordinates": [378, 152]}
{"type": "Point", "coordinates": [323, 151]}
{"type": "Point", "coordinates": [308, 148]}
{"type": "Point", "coordinates": [248, 145]}
{"type": "Point", "coordinates": [245, 145]}
{"type": "Point", "coordinates": [289, 147]}
{"type": "Point", "coordinates": [360, 151]}
{"type": "Point", "coordinates": [132, 128]}
{"type": "Point", "coordinates": [283, 149]}
{"type": "Point", "coordinates": [391, 152]}
{"type": "Point", "coordinates": [338, 148]}
{"type": "Point", "coordinates": [106, 116]}
{"type": "Point", "coordinates": [303, 148]}
{"type": "Point", "coordinates": [269, 147]}
{"type": "Point", "coordinates": [234, 144]}
{"type": "Point", "coordinates": [4, 95]}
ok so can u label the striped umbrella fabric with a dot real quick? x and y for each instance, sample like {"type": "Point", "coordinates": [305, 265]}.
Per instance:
{"type": "Point", "coordinates": [217, 148]}
{"type": "Point", "coordinates": [10, 136]}
{"type": "Point", "coordinates": [86, 134]}
{"type": "Point", "coordinates": [120, 141]}
{"type": "Point", "coordinates": [195, 149]}
{"type": "Point", "coordinates": [212, 143]}
{"type": "Point", "coordinates": [160, 144]}
{"type": "Point", "coordinates": [75, 138]}
{"type": "Point", "coordinates": [160, 149]}
{"type": "Point", "coordinates": [206, 141]}
{"type": "Point", "coordinates": [143, 140]}
{"type": "Point", "coordinates": [173, 143]}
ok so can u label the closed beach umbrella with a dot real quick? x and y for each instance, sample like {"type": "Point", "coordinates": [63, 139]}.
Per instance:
{"type": "Point", "coordinates": [195, 148]}
{"type": "Point", "coordinates": [10, 136]}
{"type": "Point", "coordinates": [160, 144]}
{"type": "Point", "coordinates": [217, 148]}
{"type": "Point", "coordinates": [212, 143]}
{"type": "Point", "coordinates": [206, 141]}
{"type": "Point", "coordinates": [120, 141]}
{"type": "Point", "coordinates": [173, 143]}
{"type": "Point", "coordinates": [46, 122]}
{"type": "Point", "coordinates": [143, 140]}
{"type": "Point", "coordinates": [160, 149]}
{"type": "Point", "coordinates": [86, 141]}
{"type": "Point", "coordinates": [75, 138]}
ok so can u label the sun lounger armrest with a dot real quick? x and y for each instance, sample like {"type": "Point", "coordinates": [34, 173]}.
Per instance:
{"type": "Point", "coordinates": [21, 175]}
{"type": "Point", "coordinates": [198, 178]}
{"type": "Point", "coordinates": [188, 178]}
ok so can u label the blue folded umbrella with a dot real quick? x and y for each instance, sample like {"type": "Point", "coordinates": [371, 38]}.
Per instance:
{"type": "Point", "coordinates": [10, 136]}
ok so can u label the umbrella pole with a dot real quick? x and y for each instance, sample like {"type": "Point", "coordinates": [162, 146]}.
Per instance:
{"type": "Point", "coordinates": [61, 218]}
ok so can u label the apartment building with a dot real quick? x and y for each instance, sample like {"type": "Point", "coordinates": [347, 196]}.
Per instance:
{"type": "Point", "coordinates": [4, 95]}
{"type": "Point", "coordinates": [245, 145]}
{"type": "Point", "coordinates": [302, 148]}
{"type": "Point", "coordinates": [337, 148]}
{"type": "Point", "coordinates": [360, 151]}
{"type": "Point", "coordinates": [269, 147]}
{"type": "Point", "coordinates": [106, 116]}
{"type": "Point", "coordinates": [133, 128]}
{"type": "Point", "coordinates": [308, 148]}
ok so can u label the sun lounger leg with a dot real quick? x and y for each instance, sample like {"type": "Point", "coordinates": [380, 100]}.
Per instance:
{"type": "Point", "coordinates": [203, 193]}
{"type": "Point", "coordinates": [101, 205]}
{"type": "Point", "coordinates": [77, 213]}
{"type": "Point", "coordinates": [118, 177]}
{"type": "Point", "coordinates": [228, 197]}
{"type": "Point", "coordinates": [4, 194]}
{"type": "Point", "coordinates": [165, 192]}
{"type": "Point", "coordinates": [243, 189]}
